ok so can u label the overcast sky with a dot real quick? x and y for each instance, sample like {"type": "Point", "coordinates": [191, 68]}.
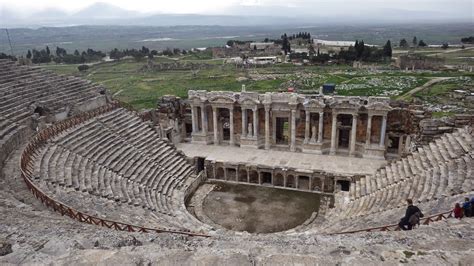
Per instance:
{"type": "Point", "coordinates": [225, 6]}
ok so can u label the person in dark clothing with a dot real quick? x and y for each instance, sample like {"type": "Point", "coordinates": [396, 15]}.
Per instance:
{"type": "Point", "coordinates": [411, 218]}
{"type": "Point", "coordinates": [466, 207]}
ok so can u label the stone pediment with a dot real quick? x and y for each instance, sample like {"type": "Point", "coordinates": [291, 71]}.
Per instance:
{"type": "Point", "coordinates": [249, 99]}
{"type": "Point", "coordinates": [379, 104]}
{"type": "Point", "coordinates": [314, 104]}
{"type": "Point", "coordinates": [197, 97]}
{"type": "Point", "coordinates": [345, 103]}
{"type": "Point", "coordinates": [222, 99]}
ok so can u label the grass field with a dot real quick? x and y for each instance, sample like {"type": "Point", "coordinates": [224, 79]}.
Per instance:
{"type": "Point", "coordinates": [130, 83]}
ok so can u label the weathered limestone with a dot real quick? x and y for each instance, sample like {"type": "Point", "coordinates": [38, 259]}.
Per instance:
{"type": "Point", "coordinates": [433, 178]}
{"type": "Point", "coordinates": [293, 131]}
{"type": "Point", "coordinates": [214, 121]}
{"type": "Point", "coordinates": [267, 127]}
{"type": "Point", "coordinates": [369, 131]}
{"type": "Point", "coordinates": [231, 119]}
{"type": "Point", "coordinates": [353, 135]}
{"type": "Point", "coordinates": [283, 110]}
{"type": "Point", "coordinates": [333, 134]}
{"type": "Point", "coordinates": [384, 128]}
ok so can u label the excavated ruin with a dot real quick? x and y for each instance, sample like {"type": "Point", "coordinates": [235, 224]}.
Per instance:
{"type": "Point", "coordinates": [87, 180]}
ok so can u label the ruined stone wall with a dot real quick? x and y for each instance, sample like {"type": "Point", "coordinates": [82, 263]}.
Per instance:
{"type": "Point", "coordinates": [431, 128]}
{"type": "Point", "coordinates": [170, 115]}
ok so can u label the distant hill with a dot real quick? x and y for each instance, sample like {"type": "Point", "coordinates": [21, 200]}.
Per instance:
{"type": "Point", "coordinates": [104, 11]}
{"type": "Point", "coordinates": [239, 15]}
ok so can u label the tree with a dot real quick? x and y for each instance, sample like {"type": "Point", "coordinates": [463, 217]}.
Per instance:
{"type": "Point", "coordinates": [116, 54]}
{"type": "Point", "coordinates": [415, 41]}
{"type": "Point", "coordinates": [28, 55]}
{"type": "Point", "coordinates": [445, 46]}
{"type": "Point", "coordinates": [60, 52]}
{"type": "Point", "coordinates": [469, 39]}
{"type": "Point", "coordinates": [76, 53]}
{"type": "Point", "coordinates": [421, 43]}
{"type": "Point", "coordinates": [359, 48]}
{"type": "Point", "coordinates": [403, 43]}
{"type": "Point", "coordinates": [387, 49]}
{"type": "Point", "coordinates": [311, 51]}
{"type": "Point", "coordinates": [48, 52]}
{"type": "Point", "coordinates": [83, 68]}
{"type": "Point", "coordinates": [285, 46]}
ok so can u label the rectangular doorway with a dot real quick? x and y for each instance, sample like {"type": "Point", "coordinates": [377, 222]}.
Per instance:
{"type": "Point", "coordinates": [282, 131]}
{"type": "Point", "coordinates": [200, 164]}
{"type": "Point", "coordinates": [344, 136]}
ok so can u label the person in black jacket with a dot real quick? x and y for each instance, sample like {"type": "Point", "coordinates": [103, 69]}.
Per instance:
{"type": "Point", "coordinates": [412, 216]}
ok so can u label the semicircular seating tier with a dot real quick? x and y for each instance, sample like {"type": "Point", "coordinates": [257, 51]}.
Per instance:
{"type": "Point", "coordinates": [29, 95]}
{"type": "Point", "coordinates": [434, 176]}
{"type": "Point", "coordinates": [116, 167]}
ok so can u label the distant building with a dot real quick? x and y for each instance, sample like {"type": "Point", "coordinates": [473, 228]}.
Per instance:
{"type": "Point", "coordinates": [416, 61]}
{"type": "Point", "coordinates": [322, 43]}
{"type": "Point", "coordinates": [333, 43]}
{"type": "Point", "coordinates": [254, 49]}
{"type": "Point", "coordinates": [264, 60]}
{"type": "Point", "coordinates": [261, 46]}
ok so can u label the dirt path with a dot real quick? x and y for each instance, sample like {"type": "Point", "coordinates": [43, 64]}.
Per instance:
{"type": "Point", "coordinates": [451, 51]}
{"type": "Point", "coordinates": [422, 87]}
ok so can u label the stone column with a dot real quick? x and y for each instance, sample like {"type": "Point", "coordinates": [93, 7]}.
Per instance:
{"type": "Point", "coordinates": [255, 123]}
{"type": "Point", "coordinates": [293, 130]}
{"type": "Point", "coordinates": [368, 135]}
{"type": "Point", "coordinates": [407, 143]}
{"type": "Point", "coordinates": [193, 118]}
{"type": "Point", "coordinates": [267, 127]}
{"type": "Point", "coordinates": [333, 134]}
{"type": "Point", "coordinates": [382, 131]}
{"type": "Point", "coordinates": [204, 119]}
{"type": "Point", "coordinates": [231, 131]}
{"type": "Point", "coordinates": [353, 135]}
{"type": "Point", "coordinates": [320, 128]}
{"type": "Point", "coordinates": [400, 145]}
{"type": "Point", "coordinates": [307, 126]}
{"type": "Point", "coordinates": [244, 123]}
{"type": "Point", "coordinates": [310, 183]}
{"type": "Point", "coordinates": [214, 121]}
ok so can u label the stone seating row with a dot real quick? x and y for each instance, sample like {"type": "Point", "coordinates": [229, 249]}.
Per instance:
{"type": "Point", "coordinates": [433, 185]}
{"type": "Point", "coordinates": [21, 86]}
{"type": "Point", "coordinates": [433, 180]}
{"type": "Point", "coordinates": [448, 147]}
{"type": "Point", "coordinates": [392, 216]}
{"type": "Point", "coordinates": [125, 164]}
